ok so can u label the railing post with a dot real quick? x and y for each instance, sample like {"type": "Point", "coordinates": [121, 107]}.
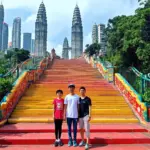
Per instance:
{"type": "Point", "coordinates": [17, 71]}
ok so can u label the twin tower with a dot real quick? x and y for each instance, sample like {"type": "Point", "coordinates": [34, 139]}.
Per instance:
{"type": "Point", "coordinates": [76, 37]}
{"type": "Point", "coordinates": [41, 35]}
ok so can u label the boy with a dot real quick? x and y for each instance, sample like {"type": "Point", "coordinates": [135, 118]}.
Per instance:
{"type": "Point", "coordinates": [58, 116]}
{"type": "Point", "coordinates": [84, 117]}
{"type": "Point", "coordinates": [71, 112]}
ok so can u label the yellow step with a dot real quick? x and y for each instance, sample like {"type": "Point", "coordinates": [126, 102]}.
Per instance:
{"type": "Point", "coordinates": [50, 120]}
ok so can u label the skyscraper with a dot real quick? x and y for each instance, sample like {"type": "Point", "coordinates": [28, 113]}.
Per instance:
{"type": "Point", "coordinates": [32, 46]}
{"type": "Point", "coordinates": [1, 23]}
{"type": "Point", "coordinates": [95, 34]}
{"type": "Point", "coordinates": [5, 36]}
{"type": "Point", "coordinates": [77, 34]}
{"type": "Point", "coordinates": [41, 32]}
{"type": "Point", "coordinates": [16, 33]}
{"type": "Point", "coordinates": [65, 51]}
{"type": "Point", "coordinates": [27, 41]}
{"type": "Point", "coordinates": [102, 37]}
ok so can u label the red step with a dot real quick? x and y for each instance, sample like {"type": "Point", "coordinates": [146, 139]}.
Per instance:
{"type": "Point", "coordinates": [65, 147]}
{"type": "Point", "coordinates": [96, 138]}
{"type": "Point", "coordinates": [45, 127]}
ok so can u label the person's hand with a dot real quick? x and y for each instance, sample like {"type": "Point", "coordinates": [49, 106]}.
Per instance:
{"type": "Point", "coordinates": [89, 118]}
{"type": "Point", "coordinates": [64, 117]}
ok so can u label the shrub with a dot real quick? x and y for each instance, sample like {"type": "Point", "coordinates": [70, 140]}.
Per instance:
{"type": "Point", "coordinates": [146, 95]}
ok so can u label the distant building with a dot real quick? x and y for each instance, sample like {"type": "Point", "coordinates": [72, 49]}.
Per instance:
{"type": "Point", "coordinates": [5, 36]}
{"type": "Point", "coordinates": [16, 33]}
{"type": "Point", "coordinates": [95, 34]}
{"type": "Point", "coordinates": [32, 46]}
{"type": "Point", "coordinates": [102, 37]}
{"type": "Point", "coordinates": [77, 34]}
{"type": "Point", "coordinates": [10, 45]}
{"type": "Point", "coordinates": [1, 24]}
{"type": "Point", "coordinates": [76, 37]}
{"type": "Point", "coordinates": [65, 52]}
{"type": "Point", "coordinates": [41, 32]}
{"type": "Point", "coordinates": [27, 41]}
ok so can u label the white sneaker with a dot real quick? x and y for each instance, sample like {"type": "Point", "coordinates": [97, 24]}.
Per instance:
{"type": "Point", "coordinates": [82, 143]}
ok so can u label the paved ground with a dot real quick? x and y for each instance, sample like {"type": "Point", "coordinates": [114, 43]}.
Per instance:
{"type": "Point", "coordinates": [95, 147]}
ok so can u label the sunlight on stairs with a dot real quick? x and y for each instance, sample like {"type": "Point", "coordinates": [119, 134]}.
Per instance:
{"type": "Point", "coordinates": [109, 105]}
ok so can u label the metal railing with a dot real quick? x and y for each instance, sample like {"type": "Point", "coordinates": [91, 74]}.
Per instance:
{"type": "Point", "coordinates": [139, 81]}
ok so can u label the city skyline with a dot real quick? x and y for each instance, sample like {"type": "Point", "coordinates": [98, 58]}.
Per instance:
{"type": "Point", "coordinates": [56, 33]}
{"type": "Point", "coordinates": [16, 33]}
{"type": "Point", "coordinates": [27, 41]}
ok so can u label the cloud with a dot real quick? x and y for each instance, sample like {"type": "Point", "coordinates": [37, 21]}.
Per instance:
{"type": "Point", "coordinates": [60, 12]}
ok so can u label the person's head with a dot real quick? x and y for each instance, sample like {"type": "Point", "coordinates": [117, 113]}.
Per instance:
{"type": "Point", "coordinates": [71, 88]}
{"type": "Point", "coordinates": [82, 91]}
{"type": "Point", "coordinates": [59, 93]}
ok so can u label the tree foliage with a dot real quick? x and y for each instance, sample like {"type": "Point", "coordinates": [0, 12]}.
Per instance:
{"type": "Point", "coordinates": [92, 49]}
{"type": "Point", "coordinates": [17, 55]}
{"type": "Point", "coordinates": [128, 39]}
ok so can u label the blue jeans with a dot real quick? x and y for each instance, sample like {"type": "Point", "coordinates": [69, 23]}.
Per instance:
{"type": "Point", "coordinates": [69, 123]}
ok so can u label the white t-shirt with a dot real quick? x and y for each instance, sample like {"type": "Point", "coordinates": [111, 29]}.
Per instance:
{"type": "Point", "coordinates": [72, 102]}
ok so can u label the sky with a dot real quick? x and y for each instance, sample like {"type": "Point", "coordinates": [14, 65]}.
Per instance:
{"type": "Point", "coordinates": [60, 13]}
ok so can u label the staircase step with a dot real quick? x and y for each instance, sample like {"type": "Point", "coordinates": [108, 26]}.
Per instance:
{"type": "Point", "coordinates": [112, 119]}
{"type": "Point", "coordinates": [49, 138]}
{"type": "Point", "coordinates": [49, 127]}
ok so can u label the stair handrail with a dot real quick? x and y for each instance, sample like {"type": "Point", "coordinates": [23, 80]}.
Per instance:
{"type": "Point", "coordinates": [11, 99]}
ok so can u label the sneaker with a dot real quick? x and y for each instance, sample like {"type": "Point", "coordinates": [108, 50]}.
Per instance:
{"type": "Point", "coordinates": [61, 143]}
{"type": "Point", "coordinates": [75, 143]}
{"type": "Point", "coordinates": [87, 147]}
{"type": "Point", "coordinates": [56, 144]}
{"type": "Point", "coordinates": [70, 143]}
{"type": "Point", "coordinates": [82, 143]}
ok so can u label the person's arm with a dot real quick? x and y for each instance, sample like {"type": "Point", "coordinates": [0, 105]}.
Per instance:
{"type": "Point", "coordinates": [90, 112]}
{"type": "Point", "coordinates": [90, 109]}
{"type": "Point", "coordinates": [78, 106]}
{"type": "Point", "coordinates": [65, 107]}
{"type": "Point", "coordinates": [53, 115]}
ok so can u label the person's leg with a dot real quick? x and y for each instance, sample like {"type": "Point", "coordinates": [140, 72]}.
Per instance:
{"type": "Point", "coordinates": [81, 124]}
{"type": "Point", "coordinates": [56, 132]}
{"type": "Point", "coordinates": [56, 129]}
{"type": "Point", "coordinates": [69, 123]}
{"type": "Point", "coordinates": [60, 128]}
{"type": "Point", "coordinates": [87, 130]}
{"type": "Point", "coordinates": [60, 132]}
{"type": "Point", "coordinates": [75, 122]}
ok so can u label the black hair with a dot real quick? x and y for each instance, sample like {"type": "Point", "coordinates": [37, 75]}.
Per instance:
{"type": "Point", "coordinates": [82, 88]}
{"type": "Point", "coordinates": [59, 91]}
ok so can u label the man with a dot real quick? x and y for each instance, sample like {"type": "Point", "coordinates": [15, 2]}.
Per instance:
{"type": "Point", "coordinates": [84, 117]}
{"type": "Point", "coordinates": [71, 112]}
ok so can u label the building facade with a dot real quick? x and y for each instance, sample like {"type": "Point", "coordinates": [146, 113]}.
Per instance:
{"type": "Point", "coordinates": [65, 52]}
{"type": "Point", "coordinates": [102, 37]}
{"type": "Point", "coordinates": [1, 24]}
{"type": "Point", "coordinates": [5, 36]}
{"type": "Point", "coordinates": [95, 34]}
{"type": "Point", "coordinates": [41, 32]}
{"type": "Point", "coordinates": [76, 34]}
{"type": "Point", "coordinates": [27, 41]}
{"type": "Point", "coordinates": [16, 33]}
{"type": "Point", "coordinates": [32, 46]}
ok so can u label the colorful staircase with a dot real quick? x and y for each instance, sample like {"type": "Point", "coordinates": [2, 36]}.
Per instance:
{"type": "Point", "coordinates": [114, 125]}
{"type": "Point", "coordinates": [109, 106]}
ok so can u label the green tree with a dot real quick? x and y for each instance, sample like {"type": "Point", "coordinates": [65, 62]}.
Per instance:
{"type": "Point", "coordinates": [93, 49]}
{"type": "Point", "coordinates": [17, 55]}
{"type": "Point", "coordinates": [128, 39]}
